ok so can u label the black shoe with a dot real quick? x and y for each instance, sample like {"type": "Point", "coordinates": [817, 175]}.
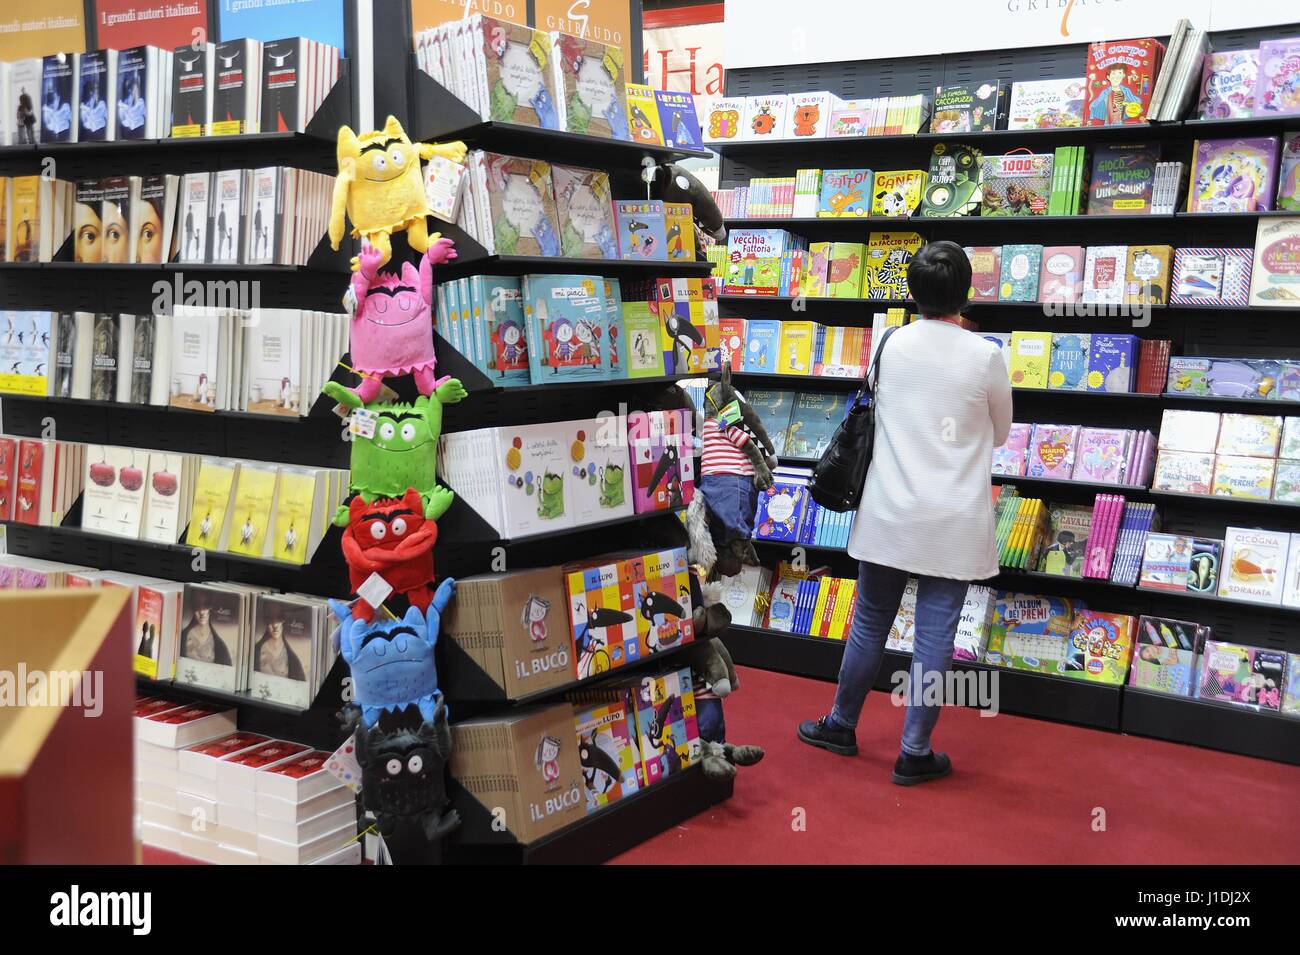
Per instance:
{"type": "Point", "coordinates": [821, 733]}
{"type": "Point", "coordinates": [910, 770]}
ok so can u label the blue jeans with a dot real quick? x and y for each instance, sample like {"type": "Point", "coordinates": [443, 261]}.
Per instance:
{"type": "Point", "coordinates": [732, 501]}
{"type": "Point", "coordinates": [938, 608]}
{"type": "Point", "coordinates": [709, 721]}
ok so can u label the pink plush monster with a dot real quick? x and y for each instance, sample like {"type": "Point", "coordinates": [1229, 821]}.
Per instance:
{"type": "Point", "coordinates": [392, 328]}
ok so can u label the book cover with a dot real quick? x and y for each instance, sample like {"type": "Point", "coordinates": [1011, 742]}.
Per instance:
{"type": "Point", "coordinates": [844, 269]}
{"type": "Point", "coordinates": [1275, 275]}
{"type": "Point", "coordinates": [1030, 632]}
{"type": "Point", "coordinates": [1123, 179]}
{"type": "Point", "coordinates": [643, 115]}
{"type": "Point", "coordinates": [296, 508]}
{"type": "Point", "coordinates": [582, 201]}
{"type": "Point", "coordinates": [1010, 457]}
{"type": "Point", "coordinates": [953, 183]}
{"type": "Point", "coordinates": [1254, 564]}
{"type": "Point", "coordinates": [212, 487]}
{"type": "Point", "coordinates": [845, 193]}
{"type": "Point", "coordinates": [1208, 276]}
{"type": "Point", "coordinates": [808, 115]}
{"type": "Point", "coordinates": [1190, 430]}
{"type": "Point", "coordinates": [780, 510]}
{"type": "Point", "coordinates": [1288, 179]}
{"type": "Point", "coordinates": [794, 348]}
{"type": "Point", "coordinates": [1228, 82]}
{"type": "Point", "coordinates": [897, 193]}
{"type": "Point", "coordinates": [813, 421]}
{"type": "Point", "coordinates": [520, 88]}
{"type": "Point", "coordinates": [1164, 658]}
{"type": "Point", "coordinates": [1121, 78]}
{"type": "Point", "coordinates": [1101, 455]}
{"type": "Point", "coordinates": [1111, 363]}
{"type": "Point", "coordinates": [1233, 175]}
{"type": "Point", "coordinates": [1061, 277]}
{"type": "Point", "coordinates": [609, 752]}
{"type": "Point", "coordinates": [1104, 271]}
{"type": "Point", "coordinates": [754, 259]}
{"type": "Point", "coordinates": [1243, 477]}
{"type": "Point", "coordinates": [1021, 265]}
{"type": "Point", "coordinates": [1030, 359]}
{"type": "Point", "coordinates": [1051, 451]}
{"type": "Point", "coordinates": [1277, 87]}
{"type": "Point", "coordinates": [590, 83]}
{"type": "Point", "coordinates": [95, 107]}
{"type": "Point", "coordinates": [1187, 472]}
{"type": "Point", "coordinates": [1067, 542]}
{"type": "Point", "coordinates": [1101, 645]}
{"type": "Point", "coordinates": [774, 409]}
{"type": "Point", "coordinates": [284, 73]}
{"type": "Point", "coordinates": [250, 508]}
{"type": "Point", "coordinates": [1249, 435]}
{"type": "Point", "coordinates": [236, 88]}
{"type": "Point", "coordinates": [888, 255]}
{"type": "Point", "coordinates": [978, 106]}
{"type": "Point", "coordinates": [722, 119]}
{"type": "Point", "coordinates": [679, 231]}
{"type": "Point", "coordinates": [677, 116]}
{"type": "Point", "coordinates": [1046, 104]}
{"type": "Point", "coordinates": [1241, 675]}
{"type": "Point", "coordinates": [1017, 184]}
{"type": "Point", "coordinates": [765, 117]}
{"type": "Point", "coordinates": [565, 319]}
{"type": "Point", "coordinates": [986, 272]}
{"type": "Point", "coordinates": [1166, 560]}
{"type": "Point", "coordinates": [521, 206]}
{"type": "Point", "coordinates": [1146, 280]}
{"type": "Point", "coordinates": [642, 233]}
{"type": "Point", "coordinates": [59, 98]}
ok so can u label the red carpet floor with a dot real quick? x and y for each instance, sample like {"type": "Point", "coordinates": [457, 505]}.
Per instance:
{"type": "Point", "coordinates": [1022, 790]}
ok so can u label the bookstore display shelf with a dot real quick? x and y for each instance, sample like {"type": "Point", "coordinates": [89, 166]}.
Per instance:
{"type": "Point", "coordinates": [791, 545]}
{"type": "Point", "coordinates": [1047, 484]}
{"type": "Point", "coordinates": [1142, 493]}
{"type": "Point", "coordinates": [1211, 724]}
{"type": "Point", "coordinates": [470, 264]}
{"type": "Point", "coordinates": [1250, 503]}
{"type": "Point", "coordinates": [878, 223]}
{"type": "Point", "coordinates": [1041, 695]}
{"type": "Point", "coordinates": [731, 298]}
{"type": "Point", "coordinates": [1247, 605]}
{"type": "Point", "coordinates": [285, 420]}
{"type": "Point", "coordinates": [463, 525]}
{"type": "Point", "coordinates": [773, 380]}
{"type": "Point", "coordinates": [596, 837]}
{"type": "Point", "coordinates": [437, 115]}
{"type": "Point", "coordinates": [466, 685]}
{"type": "Point", "coordinates": [741, 148]}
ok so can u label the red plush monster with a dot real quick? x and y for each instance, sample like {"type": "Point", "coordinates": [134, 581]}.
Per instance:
{"type": "Point", "coordinates": [390, 537]}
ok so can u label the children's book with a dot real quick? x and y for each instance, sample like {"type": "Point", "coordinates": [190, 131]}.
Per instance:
{"type": "Point", "coordinates": [1104, 270]}
{"type": "Point", "coordinates": [1009, 458]}
{"type": "Point", "coordinates": [1046, 104]}
{"type": "Point", "coordinates": [520, 83]}
{"type": "Point", "coordinates": [1250, 435]}
{"type": "Point", "coordinates": [761, 347]}
{"type": "Point", "coordinates": [1067, 541]}
{"type": "Point", "coordinates": [1186, 472]}
{"type": "Point", "coordinates": [722, 119]}
{"type": "Point", "coordinates": [1254, 564]}
{"type": "Point", "coordinates": [1288, 180]}
{"type": "Point", "coordinates": [978, 106]}
{"type": "Point", "coordinates": [565, 322]}
{"type": "Point", "coordinates": [765, 117]}
{"type": "Point", "coordinates": [1233, 175]}
{"type": "Point", "coordinates": [679, 232]}
{"type": "Point", "coordinates": [1146, 281]}
{"type": "Point", "coordinates": [1243, 477]}
{"type": "Point", "coordinates": [1242, 675]}
{"type": "Point", "coordinates": [1021, 265]}
{"type": "Point", "coordinates": [1277, 89]}
{"type": "Point", "coordinates": [897, 193]}
{"type": "Point", "coordinates": [1101, 645]}
{"type": "Point", "coordinates": [1051, 451]}
{"type": "Point", "coordinates": [521, 205]}
{"type": "Point", "coordinates": [844, 270]}
{"type": "Point", "coordinates": [1123, 177]}
{"type": "Point", "coordinates": [506, 331]}
{"type": "Point", "coordinates": [1030, 359]}
{"type": "Point", "coordinates": [1190, 430]}
{"type": "Point", "coordinates": [608, 751]}
{"type": "Point", "coordinates": [816, 270]}
{"type": "Point", "coordinates": [813, 421]}
{"type": "Point", "coordinates": [589, 85]}
{"type": "Point", "coordinates": [1121, 77]}
{"type": "Point", "coordinates": [808, 115]}
{"type": "Point", "coordinates": [681, 126]}
{"type": "Point", "coordinates": [953, 184]}
{"type": "Point", "coordinates": [641, 333]}
{"type": "Point", "coordinates": [1228, 82]}
{"type": "Point", "coordinates": [1030, 632]}
{"type": "Point", "coordinates": [888, 255]}
{"type": "Point", "coordinates": [781, 510]}
{"type": "Point", "coordinates": [845, 193]}
{"type": "Point", "coordinates": [1208, 276]}
{"type": "Point", "coordinates": [1061, 277]}
{"type": "Point", "coordinates": [794, 348]}
{"type": "Point", "coordinates": [1164, 658]}
{"type": "Point", "coordinates": [1101, 455]}
{"type": "Point", "coordinates": [1016, 184]}
{"type": "Point", "coordinates": [1166, 560]}
{"type": "Point", "coordinates": [582, 201]}
{"type": "Point", "coordinates": [754, 261]}
{"type": "Point", "coordinates": [774, 408]}
{"type": "Point", "coordinates": [986, 272]}
{"type": "Point", "coordinates": [1274, 277]}
{"type": "Point", "coordinates": [1112, 362]}
{"type": "Point", "coordinates": [642, 234]}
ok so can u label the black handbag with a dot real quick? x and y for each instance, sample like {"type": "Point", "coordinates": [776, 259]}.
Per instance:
{"type": "Point", "coordinates": [841, 471]}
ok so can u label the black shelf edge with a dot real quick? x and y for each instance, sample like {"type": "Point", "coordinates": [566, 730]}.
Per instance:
{"type": "Point", "coordinates": [1021, 693]}
{"type": "Point", "coordinates": [1210, 724]}
{"type": "Point", "coordinates": [436, 114]}
{"type": "Point", "coordinates": [1248, 605]}
{"type": "Point", "coordinates": [774, 380]}
{"type": "Point", "coordinates": [1125, 489]}
{"type": "Point", "coordinates": [902, 223]}
{"type": "Point", "coordinates": [464, 525]}
{"type": "Point", "coordinates": [788, 545]}
{"type": "Point", "coordinates": [732, 297]}
{"type": "Point", "coordinates": [596, 837]}
{"type": "Point", "coordinates": [129, 406]}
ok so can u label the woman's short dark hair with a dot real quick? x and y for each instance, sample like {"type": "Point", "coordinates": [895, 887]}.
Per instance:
{"type": "Point", "coordinates": [938, 279]}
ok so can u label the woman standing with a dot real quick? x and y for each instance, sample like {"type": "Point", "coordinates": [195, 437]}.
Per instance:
{"type": "Point", "coordinates": [943, 404]}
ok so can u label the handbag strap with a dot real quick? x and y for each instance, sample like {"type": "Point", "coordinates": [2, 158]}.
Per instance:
{"type": "Point", "coordinates": [871, 380]}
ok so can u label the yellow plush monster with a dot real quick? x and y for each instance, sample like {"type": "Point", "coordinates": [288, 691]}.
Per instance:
{"type": "Point", "coordinates": [380, 187]}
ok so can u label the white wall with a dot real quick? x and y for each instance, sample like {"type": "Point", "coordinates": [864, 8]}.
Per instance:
{"type": "Point", "coordinates": [765, 33]}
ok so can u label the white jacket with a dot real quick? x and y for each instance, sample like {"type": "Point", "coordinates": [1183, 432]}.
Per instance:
{"type": "Point", "coordinates": [944, 404]}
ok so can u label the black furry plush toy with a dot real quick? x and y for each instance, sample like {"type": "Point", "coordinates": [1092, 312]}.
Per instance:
{"type": "Point", "coordinates": [671, 183]}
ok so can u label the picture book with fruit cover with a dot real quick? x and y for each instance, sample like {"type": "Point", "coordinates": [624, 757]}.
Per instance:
{"type": "Point", "coordinates": [953, 185]}
{"type": "Point", "coordinates": [1121, 77]}
{"type": "Point", "coordinates": [1123, 177]}
{"type": "Point", "coordinates": [1233, 175]}
{"type": "Point", "coordinates": [1016, 184]}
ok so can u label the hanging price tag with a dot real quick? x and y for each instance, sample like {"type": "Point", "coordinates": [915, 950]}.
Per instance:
{"type": "Point", "coordinates": [362, 423]}
{"type": "Point", "coordinates": [374, 590]}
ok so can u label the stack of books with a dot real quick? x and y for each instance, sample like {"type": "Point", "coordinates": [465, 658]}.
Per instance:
{"type": "Point", "coordinates": [812, 115]}
{"type": "Point", "coordinates": [1069, 452]}
{"type": "Point", "coordinates": [36, 217]}
{"type": "Point", "coordinates": [1084, 361]}
{"type": "Point", "coordinates": [773, 346]}
{"type": "Point", "coordinates": [1229, 455]}
{"type": "Point", "coordinates": [40, 479]}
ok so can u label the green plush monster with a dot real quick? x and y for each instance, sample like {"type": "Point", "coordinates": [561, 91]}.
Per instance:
{"type": "Point", "coordinates": [550, 497]}
{"type": "Point", "coordinates": [611, 486]}
{"type": "Point", "coordinates": [404, 450]}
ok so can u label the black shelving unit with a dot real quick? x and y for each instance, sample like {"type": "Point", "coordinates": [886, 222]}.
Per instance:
{"type": "Point", "coordinates": [1208, 723]}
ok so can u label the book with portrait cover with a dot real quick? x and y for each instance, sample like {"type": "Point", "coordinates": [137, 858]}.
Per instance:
{"type": "Point", "coordinates": [1121, 77]}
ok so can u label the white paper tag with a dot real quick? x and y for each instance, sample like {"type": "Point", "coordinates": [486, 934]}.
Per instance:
{"type": "Point", "coordinates": [375, 590]}
{"type": "Point", "coordinates": [362, 423]}
{"type": "Point", "coordinates": [344, 766]}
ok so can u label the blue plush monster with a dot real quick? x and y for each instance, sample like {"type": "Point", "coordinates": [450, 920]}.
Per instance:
{"type": "Point", "coordinates": [392, 660]}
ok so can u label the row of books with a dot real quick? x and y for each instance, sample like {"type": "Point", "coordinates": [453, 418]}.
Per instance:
{"type": "Point", "coordinates": [812, 115]}
{"type": "Point", "coordinates": [1249, 563]}
{"type": "Point", "coordinates": [515, 206]}
{"type": "Point", "coordinates": [511, 73]}
{"type": "Point", "coordinates": [1067, 361]}
{"type": "Point", "coordinates": [40, 479]}
{"type": "Point", "coordinates": [773, 346]}
{"type": "Point", "coordinates": [533, 479]}
{"type": "Point", "coordinates": [230, 797]}
{"type": "Point", "coordinates": [1258, 678]}
{"type": "Point", "coordinates": [1069, 274]}
{"type": "Point", "coordinates": [1265, 379]}
{"type": "Point", "coordinates": [1102, 542]}
{"type": "Point", "coordinates": [1078, 361]}
{"type": "Point", "coordinates": [537, 329]}
{"type": "Point", "coordinates": [800, 424]}
{"type": "Point", "coordinates": [769, 262]}
{"type": "Point", "coordinates": [263, 361]}
{"type": "Point", "coordinates": [1229, 455]}
{"type": "Point", "coordinates": [1261, 81]}
{"type": "Point", "coordinates": [36, 217]}
{"type": "Point", "coordinates": [238, 86]}
{"type": "Point", "coordinates": [1070, 452]}
{"type": "Point", "coordinates": [786, 511]}
{"type": "Point", "coordinates": [606, 743]}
